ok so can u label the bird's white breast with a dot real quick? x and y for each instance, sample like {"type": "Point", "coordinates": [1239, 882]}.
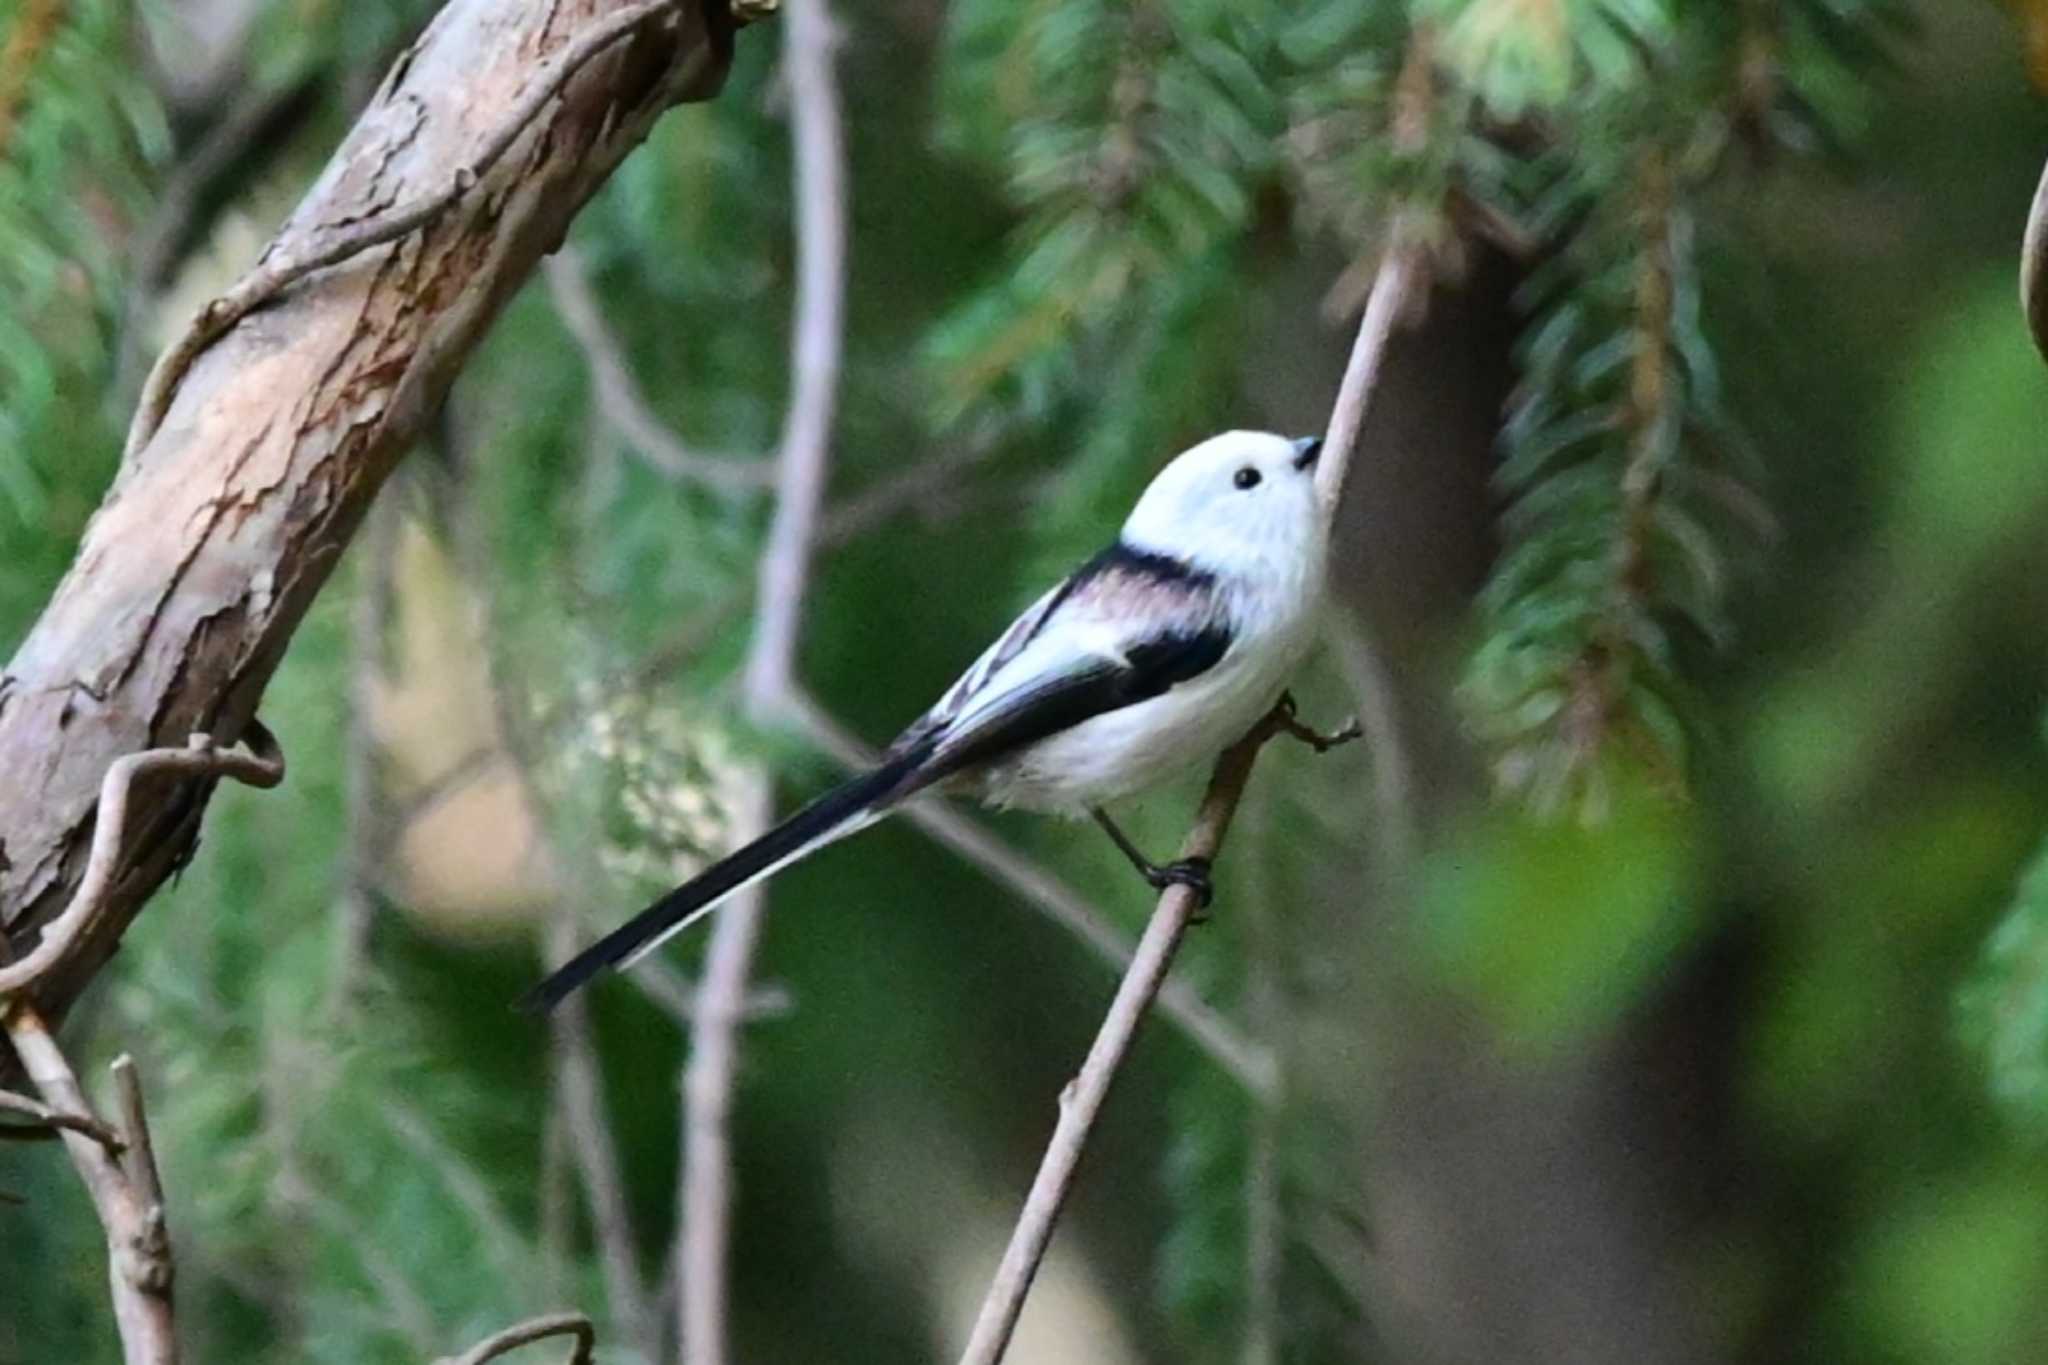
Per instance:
{"type": "Point", "coordinates": [1125, 751]}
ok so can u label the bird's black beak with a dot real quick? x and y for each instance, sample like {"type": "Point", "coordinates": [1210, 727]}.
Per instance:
{"type": "Point", "coordinates": [1305, 451]}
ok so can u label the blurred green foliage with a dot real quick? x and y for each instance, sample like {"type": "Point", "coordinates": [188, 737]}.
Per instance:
{"type": "Point", "coordinates": [1793, 753]}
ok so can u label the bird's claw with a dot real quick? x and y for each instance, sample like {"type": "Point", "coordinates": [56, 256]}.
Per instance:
{"type": "Point", "coordinates": [1289, 723]}
{"type": "Point", "coordinates": [1192, 873]}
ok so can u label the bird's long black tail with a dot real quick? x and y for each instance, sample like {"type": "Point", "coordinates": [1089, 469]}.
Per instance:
{"type": "Point", "coordinates": [851, 806]}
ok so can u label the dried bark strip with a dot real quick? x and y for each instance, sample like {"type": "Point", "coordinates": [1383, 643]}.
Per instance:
{"type": "Point", "coordinates": [225, 522]}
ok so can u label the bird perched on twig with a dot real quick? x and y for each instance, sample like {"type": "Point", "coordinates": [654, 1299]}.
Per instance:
{"type": "Point", "coordinates": [1147, 661]}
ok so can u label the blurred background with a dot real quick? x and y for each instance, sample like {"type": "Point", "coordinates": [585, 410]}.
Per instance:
{"type": "Point", "coordinates": [1663, 981]}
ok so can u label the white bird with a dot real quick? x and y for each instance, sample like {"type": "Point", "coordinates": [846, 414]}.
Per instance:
{"type": "Point", "coordinates": [1147, 661]}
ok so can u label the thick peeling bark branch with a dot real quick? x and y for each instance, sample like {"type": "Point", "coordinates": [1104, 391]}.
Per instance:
{"type": "Point", "coordinates": [276, 431]}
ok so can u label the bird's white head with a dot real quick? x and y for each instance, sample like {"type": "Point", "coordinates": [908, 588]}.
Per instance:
{"type": "Point", "coordinates": [1243, 503]}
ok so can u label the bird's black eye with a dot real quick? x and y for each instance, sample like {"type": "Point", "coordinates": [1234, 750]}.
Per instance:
{"type": "Point", "coordinates": [1246, 477]}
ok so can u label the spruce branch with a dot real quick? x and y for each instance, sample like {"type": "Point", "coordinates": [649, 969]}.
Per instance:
{"type": "Point", "coordinates": [502, 1245]}
{"type": "Point", "coordinates": [34, 28]}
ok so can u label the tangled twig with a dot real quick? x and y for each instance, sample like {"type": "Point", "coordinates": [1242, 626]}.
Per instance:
{"type": "Point", "coordinates": [261, 766]}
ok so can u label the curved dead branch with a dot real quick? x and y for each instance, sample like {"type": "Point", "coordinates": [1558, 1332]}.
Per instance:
{"type": "Point", "coordinates": [526, 1333]}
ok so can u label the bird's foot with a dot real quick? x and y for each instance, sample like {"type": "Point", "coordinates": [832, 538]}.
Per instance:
{"type": "Point", "coordinates": [1192, 873]}
{"type": "Point", "coordinates": [1288, 722]}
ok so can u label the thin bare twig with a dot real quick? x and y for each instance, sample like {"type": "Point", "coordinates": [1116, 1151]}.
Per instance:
{"type": "Point", "coordinates": [407, 1310]}
{"type": "Point", "coordinates": [1401, 272]}
{"type": "Point", "coordinates": [505, 1255]}
{"type": "Point", "coordinates": [532, 1330]}
{"type": "Point", "coordinates": [289, 262]}
{"type": "Point", "coordinates": [819, 168]}
{"type": "Point", "coordinates": [138, 1149]}
{"type": "Point", "coordinates": [556, 1209]}
{"type": "Point", "coordinates": [619, 399]}
{"type": "Point", "coordinates": [1393, 769]}
{"type": "Point", "coordinates": [674, 995]}
{"type": "Point", "coordinates": [2034, 267]}
{"type": "Point", "coordinates": [122, 1181]}
{"type": "Point", "coordinates": [1081, 1101]}
{"type": "Point", "coordinates": [808, 40]}
{"type": "Point", "coordinates": [1247, 1061]}
{"type": "Point", "coordinates": [704, 1201]}
{"type": "Point", "coordinates": [922, 485]}
{"type": "Point", "coordinates": [592, 1146]}
{"type": "Point", "coordinates": [56, 1120]}
{"type": "Point", "coordinates": [368, 832]}
{"type": "Point", "coordinates": [1264, 1007]}
{"type": "Point", "coordinates": [262, 766]}
{"type": "Point", "coordinates": [179, 198]}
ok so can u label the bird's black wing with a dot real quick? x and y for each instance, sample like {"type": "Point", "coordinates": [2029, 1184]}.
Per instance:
{"type": "Point", "coordinates": [1121, 581]}
{"type": "Point", "coordinates": [1061, 701]}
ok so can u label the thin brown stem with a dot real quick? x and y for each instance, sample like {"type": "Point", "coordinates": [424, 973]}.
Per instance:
{"type": "Point", "coordinates": [1393, 769]}
{"type": "Point", "coordinates": [50, 1121]}
{"type": "Point", "coordinates": [503, 1249]}
{"type": "Point", "coordinates": [1400, 274]}
{"type": "Point", "coordinates": [1082, 1099]}
{"type": "Point", "coordinates": [532, 1330]}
